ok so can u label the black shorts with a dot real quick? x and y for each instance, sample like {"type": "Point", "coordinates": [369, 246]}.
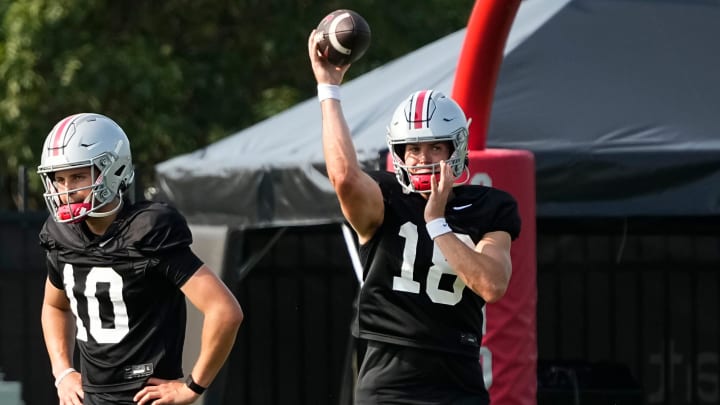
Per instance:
{"type": "Point", "coordinates": [110, 398]}
{"type": "Point", "coordinates": [392, 374]}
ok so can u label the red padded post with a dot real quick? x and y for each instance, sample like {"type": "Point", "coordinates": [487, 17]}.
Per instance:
{"type": "Point", "coordinates": [509, 352]}
{"type": "Point", "coordinates": [479, 63]}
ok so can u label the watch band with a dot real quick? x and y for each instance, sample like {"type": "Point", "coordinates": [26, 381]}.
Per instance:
{"type": "Point", "coordinates": [195, 387]}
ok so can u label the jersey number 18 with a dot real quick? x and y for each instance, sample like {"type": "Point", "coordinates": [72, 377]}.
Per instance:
{"type": "Point", "coordinates": [439, 267]}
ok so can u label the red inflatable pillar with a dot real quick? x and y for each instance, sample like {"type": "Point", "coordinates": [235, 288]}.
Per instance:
{"type": "Point", "coordinates": [479, 63]}
{"type": "Point", "coordinates": [509, 352]}
{"type": "Point", "coordinates": [509, 348]}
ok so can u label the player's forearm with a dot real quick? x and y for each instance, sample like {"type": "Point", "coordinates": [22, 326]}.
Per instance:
{"type": "Point", "coordinates": [58, 331]}
{"type": "Point", "coordinates": [481, 272]}
{"type": "Point", "coordinates": [340, 155]}
{"type": "Point", "coordinates": [218, 336]}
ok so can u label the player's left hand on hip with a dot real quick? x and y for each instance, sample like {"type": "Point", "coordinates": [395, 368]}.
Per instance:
{"type": "Point", "coordinates": [159, 391]}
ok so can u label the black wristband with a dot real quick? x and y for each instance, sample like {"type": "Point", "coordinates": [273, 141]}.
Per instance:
{"type": "Point", "coordinates": [195, 387]}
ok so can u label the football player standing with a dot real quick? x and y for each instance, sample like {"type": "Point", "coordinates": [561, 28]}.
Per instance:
{"type": "Point", "coordinates": [433, 254]}
{"type": "Point", "coordinates": [118, 276]}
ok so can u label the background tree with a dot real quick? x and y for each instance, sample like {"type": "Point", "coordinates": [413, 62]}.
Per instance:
{"type": "Point", "coordinates": [177, 74]}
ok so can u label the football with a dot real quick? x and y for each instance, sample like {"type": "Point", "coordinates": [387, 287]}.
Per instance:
{"type": "Point", "coordinates": [342, 37]}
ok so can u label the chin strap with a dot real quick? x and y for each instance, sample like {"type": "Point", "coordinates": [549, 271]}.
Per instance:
{"type": "Point", "coordinates": [108, 213]}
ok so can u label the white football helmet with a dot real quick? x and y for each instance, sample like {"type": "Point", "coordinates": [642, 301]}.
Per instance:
{"type": "Point", "coordinates": [86, 140]}
{"type": "Point", "coordinates": [428, 116]}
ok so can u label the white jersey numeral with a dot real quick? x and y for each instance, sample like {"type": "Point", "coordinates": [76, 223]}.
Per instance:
{"type": "Point", "coordinates": [405, 282]}
{"type": "Point", "coordinates": [440, 266]}
{"type": "Point", "coordinates": [116, 302]}
{"type": "Point", "coordinates": [69, 285]}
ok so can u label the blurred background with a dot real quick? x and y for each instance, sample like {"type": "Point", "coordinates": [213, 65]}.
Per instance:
{"type": "Point", "coordinates": [176, 75]}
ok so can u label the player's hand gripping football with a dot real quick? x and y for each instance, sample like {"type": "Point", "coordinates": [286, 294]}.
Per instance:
{"type": "Point", "coordinates": [439, 192]}
{"type": "Point", "coordinates": [70, 390]}
{"type": "Point", "coordinates": [159, 391]}
{"type": "Point", "coordinates": [324, 71]}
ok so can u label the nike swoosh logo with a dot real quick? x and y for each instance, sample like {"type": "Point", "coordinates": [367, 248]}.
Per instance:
{"type": "Point", "coordinates": [461, 207]}
{"type": "Point", "coordinates": [105, 242]}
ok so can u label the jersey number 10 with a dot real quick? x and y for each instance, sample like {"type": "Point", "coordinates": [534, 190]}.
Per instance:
{"type": "Point", "coordinates": [120, 318]}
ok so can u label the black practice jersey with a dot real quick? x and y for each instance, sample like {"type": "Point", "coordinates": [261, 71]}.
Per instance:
{"type": "Point", "coordinates": [411, 296]}
{"type": "Point", "coordinates": [123, 289]}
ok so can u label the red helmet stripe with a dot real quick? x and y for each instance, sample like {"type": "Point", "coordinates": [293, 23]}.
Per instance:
{"type": "Point", "coordinates": [420, 118]}
{"type": "Point", "coordinates": [56, 143]}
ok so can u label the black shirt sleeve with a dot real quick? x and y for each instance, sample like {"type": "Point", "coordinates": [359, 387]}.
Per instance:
{"type": "Point", "coordinates": [178, 265]}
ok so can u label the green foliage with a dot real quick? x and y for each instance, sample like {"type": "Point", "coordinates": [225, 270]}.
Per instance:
{"type": "Point", "coordinates": [177, 74]}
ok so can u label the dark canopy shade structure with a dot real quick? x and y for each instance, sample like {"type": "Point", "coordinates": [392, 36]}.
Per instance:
{"type": "Point", "coordinates": [617, 99]}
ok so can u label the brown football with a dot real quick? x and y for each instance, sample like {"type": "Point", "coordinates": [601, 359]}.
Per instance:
{"type": "Point", "coordinates": [343, 36]}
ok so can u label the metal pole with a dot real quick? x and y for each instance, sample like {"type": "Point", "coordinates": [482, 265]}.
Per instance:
{"type": "Point", "coordinates": [22, 189]}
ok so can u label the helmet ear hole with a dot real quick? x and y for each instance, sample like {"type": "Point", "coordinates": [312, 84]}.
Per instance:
{"type": "Point", "coordinates": [120, 170]}
{"type": "Point", "coordinates": [400, 151]}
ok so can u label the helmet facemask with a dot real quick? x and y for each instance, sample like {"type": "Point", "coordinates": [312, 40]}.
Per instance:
{"type": "Point", "coordinates": [99, 196]}
{"type": "Point", "coordinates": [428, 117]}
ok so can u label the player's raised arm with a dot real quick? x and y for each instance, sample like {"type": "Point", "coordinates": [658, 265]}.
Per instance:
{"type": "Point", "coordinates": [359, 195]}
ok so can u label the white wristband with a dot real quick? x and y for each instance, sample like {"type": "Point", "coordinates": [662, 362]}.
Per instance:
{"type": "Point", "coordinates": [326, 91]}
{"type": "Point", "coordinates": [437, 227]}
{"type": "Point", "coordinates": [62, 375]}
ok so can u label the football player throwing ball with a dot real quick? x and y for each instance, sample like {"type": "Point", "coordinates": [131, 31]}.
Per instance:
{"type": "Point", "coordinates": [433, 250]}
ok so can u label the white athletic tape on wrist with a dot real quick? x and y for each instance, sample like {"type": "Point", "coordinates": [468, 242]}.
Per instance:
{"type": "Point", "coordinates": [437, 227]}
{"type": "Point", "coordinates": [326, 91]}
{"type": "Point", "coordinates": [62, 375]}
